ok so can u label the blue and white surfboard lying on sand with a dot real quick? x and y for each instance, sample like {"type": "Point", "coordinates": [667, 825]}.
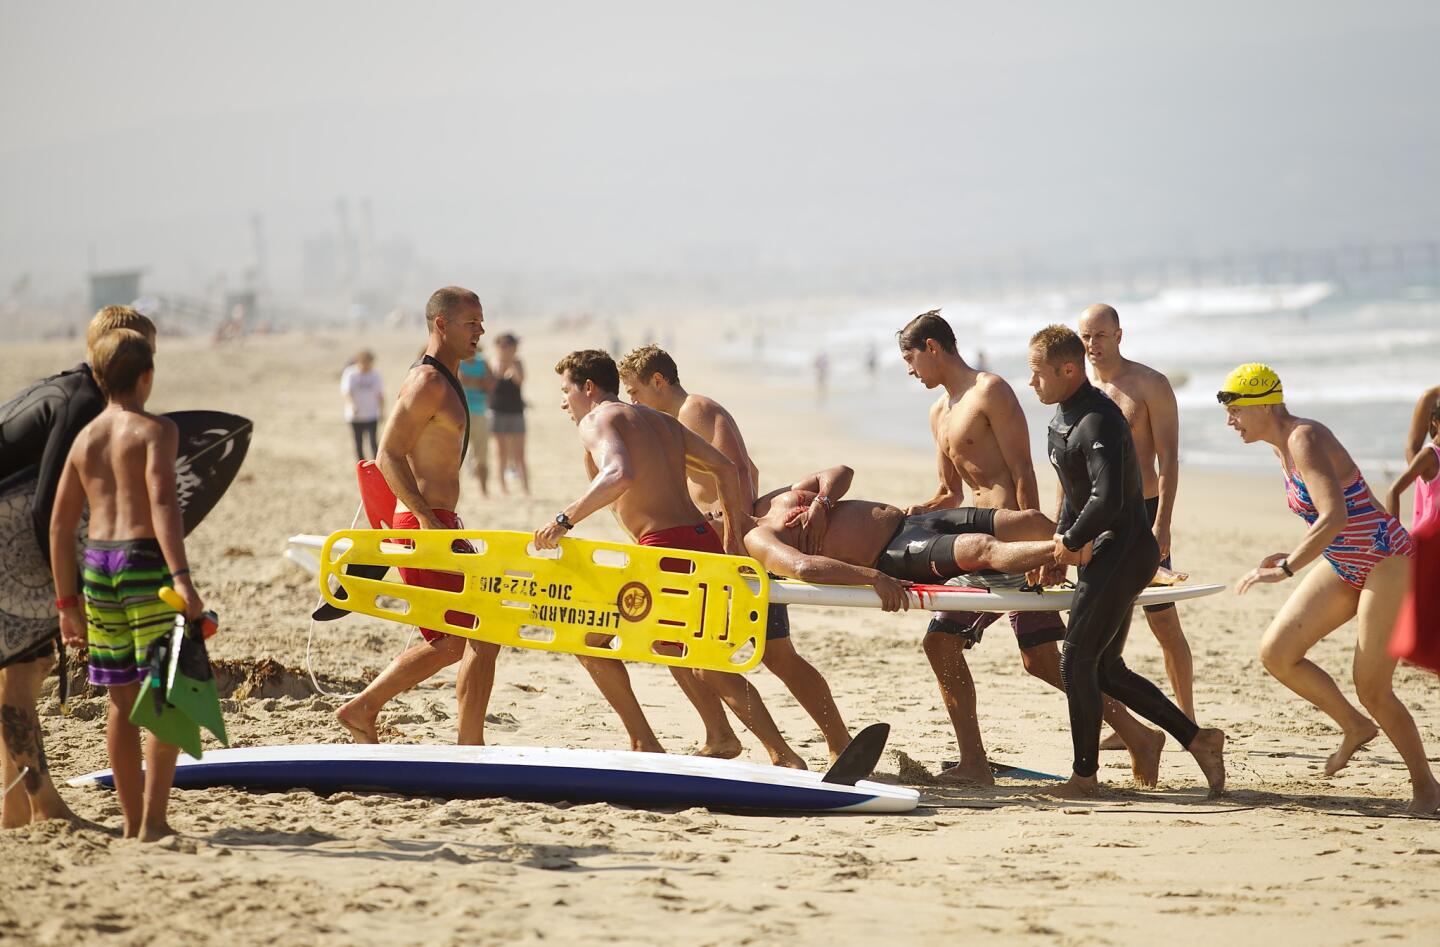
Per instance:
{"type": "Point", "coordinates": [541, 774]}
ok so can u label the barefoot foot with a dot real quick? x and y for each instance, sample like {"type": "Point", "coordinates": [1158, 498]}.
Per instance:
{"type": "Point", "coordinates": [968, 774]}
{"type": "Point", "coordinates": [1354, 740]}
{"type": "Point", "coordinates": [154, 833]}
{"type": "Point", "coordinates": [1145, 759]}
{"type": "Point", "coordinates": [721, 749]}
{"type": "Point", "coordinates": [1425, 800]}
{"type": "Point", "coordinates": [1076, 787]}
{"type": "Point", "coordinates": [356, 723]}
{"type": "Point", "coordinates": [1208, 748]}
{"type": "Point", "coordinates": [788, 760]}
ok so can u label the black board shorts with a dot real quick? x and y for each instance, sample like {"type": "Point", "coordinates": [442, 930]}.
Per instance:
{"type": "Point", "coordinates": [923, 548]}
{"type": "Point", "coordinates": [1152, 509]}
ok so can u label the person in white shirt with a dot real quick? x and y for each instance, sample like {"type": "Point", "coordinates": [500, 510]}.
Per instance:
{"type": "Point", "coordinates": [364, 401]}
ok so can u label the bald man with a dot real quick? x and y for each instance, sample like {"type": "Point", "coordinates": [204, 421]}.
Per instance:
{"type": "Point", "coordinates": [1146, 399]}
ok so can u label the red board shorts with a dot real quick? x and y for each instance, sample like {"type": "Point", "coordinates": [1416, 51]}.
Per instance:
{"type": "Point", "coordinates": [699, 538]}
{"type": "Point", "coordinates": [431, 579]}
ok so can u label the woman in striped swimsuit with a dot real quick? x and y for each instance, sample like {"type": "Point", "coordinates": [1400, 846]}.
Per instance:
{"type": "Point", "coordinates": [1368, 552]}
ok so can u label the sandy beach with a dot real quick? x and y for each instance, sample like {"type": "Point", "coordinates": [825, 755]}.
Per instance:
{"type": "Point", "coordinates": [1286, 856]}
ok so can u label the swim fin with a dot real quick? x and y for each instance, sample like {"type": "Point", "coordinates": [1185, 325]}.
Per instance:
{"type": "Point", "coordinates": [190, 683]}
{"type": "Point", "coordinates": [154, 712]}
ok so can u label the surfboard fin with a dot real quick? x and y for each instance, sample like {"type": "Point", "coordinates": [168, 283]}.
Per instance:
{"type": "Point", "coordinates": [860, 757]}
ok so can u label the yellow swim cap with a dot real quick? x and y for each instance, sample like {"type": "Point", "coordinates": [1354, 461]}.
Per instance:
{"type": "Point", "coordinates": [1252, 383]}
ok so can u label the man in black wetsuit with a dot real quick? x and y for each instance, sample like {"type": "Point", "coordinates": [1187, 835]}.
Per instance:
{"type": "Point", "coordinates": [37, 427]}
{"type": "Point", "coordinates": [1103, 505]}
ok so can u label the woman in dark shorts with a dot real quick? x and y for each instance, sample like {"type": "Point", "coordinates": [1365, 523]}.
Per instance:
{"type": "Point", "coordinates": [507, 413]}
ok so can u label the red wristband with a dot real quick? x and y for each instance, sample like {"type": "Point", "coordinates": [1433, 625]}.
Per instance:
{"type": "Point", "coordinates": [70, 601]}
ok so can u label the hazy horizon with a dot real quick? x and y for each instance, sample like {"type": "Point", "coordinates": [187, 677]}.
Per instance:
{"type": "Point", "coordinates": [573, 138]}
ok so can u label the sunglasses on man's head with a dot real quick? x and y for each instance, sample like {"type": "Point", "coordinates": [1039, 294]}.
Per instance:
{"type": "Point", "coordinates": [1230, 397]}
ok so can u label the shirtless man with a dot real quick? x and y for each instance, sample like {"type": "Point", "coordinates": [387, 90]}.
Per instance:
{"type": "Point", "coordinates": [1148, 403]}
{"type": "Point", "coordinates": [651, 379]}
{"type": "Point", "coordinates": [420, 455]}
{"type": "Point", "coordinates": [982, 441]}
{"type": "Point", "coordinates": [637, 459]}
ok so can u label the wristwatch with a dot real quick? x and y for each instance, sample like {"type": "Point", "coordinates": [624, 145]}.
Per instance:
{"type": "Point", "coordinates": [564, 520]}
{"type": "Point", "coordinates": [1284, 565]}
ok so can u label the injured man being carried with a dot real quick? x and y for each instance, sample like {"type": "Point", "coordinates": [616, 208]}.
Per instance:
{"type": "Point", "coordinates": [805, 531]}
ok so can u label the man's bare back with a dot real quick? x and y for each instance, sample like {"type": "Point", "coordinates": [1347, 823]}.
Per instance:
{"type": "Point", "coordinates": [659, 495]}
{"type": "Point", "coordinates": [116, 456]}
{"type": "Point", "coordinates": [708, 419]}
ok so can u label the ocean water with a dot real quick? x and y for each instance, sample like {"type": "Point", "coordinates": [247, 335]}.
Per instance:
{"type": "Point", "coordinates": [1355, 363]}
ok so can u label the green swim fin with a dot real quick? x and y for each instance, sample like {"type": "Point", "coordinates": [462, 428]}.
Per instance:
{"type": "Point", "coordinates": [191, 683]}
{"type": "Point", "coordinates": [154, 712]}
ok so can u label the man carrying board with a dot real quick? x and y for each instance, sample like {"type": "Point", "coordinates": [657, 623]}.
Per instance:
{"type": "Point", "coordinates": [1103, 510]}
{"type": "Point", "coordinates": [420, 455]}
{"type": "Point", "coordinates": [983, 442]}
{"type": "Point", "coordinates": [637, 459]}
{"type": "Point", "coordinates": [651, 379]}
{"type": "Point", "coordinates": [1146, 399]}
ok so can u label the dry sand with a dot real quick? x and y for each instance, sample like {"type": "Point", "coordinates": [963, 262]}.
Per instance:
{"type": "Point", "coordinates": [1287, 856]}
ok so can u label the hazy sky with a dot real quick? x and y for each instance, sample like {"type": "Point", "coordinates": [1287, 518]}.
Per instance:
{"type": "Point", "coordinates": [663, 135]}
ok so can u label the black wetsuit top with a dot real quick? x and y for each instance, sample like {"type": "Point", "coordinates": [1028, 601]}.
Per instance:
{"type": "Point", "coordinates": [37, 428]}
{"type": "Point", "coordinates": [1093, 454]}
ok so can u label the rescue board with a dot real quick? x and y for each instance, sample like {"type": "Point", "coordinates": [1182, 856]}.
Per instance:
{"type": "Point", "coordinates": [938, 598]}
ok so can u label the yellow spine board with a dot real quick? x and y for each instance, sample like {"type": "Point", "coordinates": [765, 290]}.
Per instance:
{"type": "Point", "coordinates": [605, 600]}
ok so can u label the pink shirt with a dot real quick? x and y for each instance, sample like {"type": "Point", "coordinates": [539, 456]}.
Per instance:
{"type": "Point", "coordinates": [1427, 496]}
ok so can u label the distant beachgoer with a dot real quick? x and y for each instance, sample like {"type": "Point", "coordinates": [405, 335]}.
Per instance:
{"type": "Point", "coordinates": [1369, 555]}
{"type": "Point", "coordinates": [1148, 403]}
{"type": "Point", "coordinates": [507, 414]}
{"type": "Point", "coordinates": [123, 467]}
{"type": "Point", "coordinates": [872, 361]}
{"type": "Point", "coordinates": [822, 373]}
{"type": "Point", "coordinates": [1424, 473]}
{"type": "Point", "coordinates": [364, 393]}
{"type": "Point", "coordinates": [478, 380]}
